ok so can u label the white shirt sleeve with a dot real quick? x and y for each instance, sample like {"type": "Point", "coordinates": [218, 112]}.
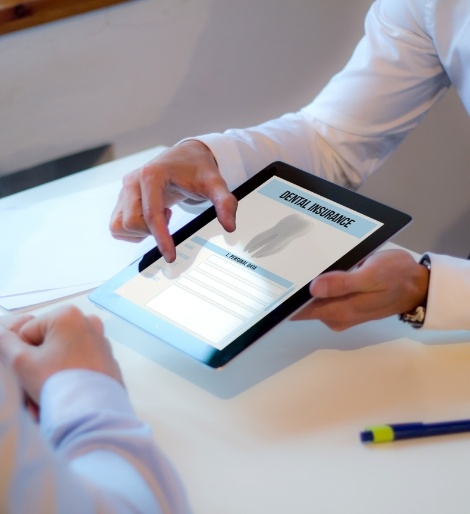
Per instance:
{"type": "Point", "coordinates": [448, 306]}
{"type": "Point", "coordinates": [391, 81]}
{"type": "Point", "coordinates": [93, 456]}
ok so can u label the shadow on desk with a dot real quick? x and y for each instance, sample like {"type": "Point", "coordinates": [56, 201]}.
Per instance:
{"type": "Point", "coordinates": [285, 345]}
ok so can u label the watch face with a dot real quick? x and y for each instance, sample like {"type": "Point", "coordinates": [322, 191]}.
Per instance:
{"type": "Point", "coordinates": [415, 318]}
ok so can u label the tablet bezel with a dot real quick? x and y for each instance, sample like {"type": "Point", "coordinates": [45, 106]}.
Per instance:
{"type": "Point", "coordinates": [392, 219]}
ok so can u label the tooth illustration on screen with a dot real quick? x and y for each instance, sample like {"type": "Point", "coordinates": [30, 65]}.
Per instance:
{"type": "Point", "coordinates": [275, 239]}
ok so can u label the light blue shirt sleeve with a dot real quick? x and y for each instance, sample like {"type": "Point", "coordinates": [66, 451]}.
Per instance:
{"type": "Point", "coordinates": [89, 454]}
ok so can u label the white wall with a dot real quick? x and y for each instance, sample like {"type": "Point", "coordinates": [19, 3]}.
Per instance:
{"type": "Point", "coordinates": [153, 71]}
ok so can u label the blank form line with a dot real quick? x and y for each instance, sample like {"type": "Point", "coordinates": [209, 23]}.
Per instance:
{"type": "Point", "coordinates": [250, 277]}
{"type": "Point", "coordinates": [216, 298]}
{"type": "Point", "coordinates": [242, 296]}
{"type": "Point", "coordinates": [235, 283]}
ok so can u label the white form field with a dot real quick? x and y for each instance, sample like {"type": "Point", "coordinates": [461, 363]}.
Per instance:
{"type": "Point", "coordinates": [215, 298]}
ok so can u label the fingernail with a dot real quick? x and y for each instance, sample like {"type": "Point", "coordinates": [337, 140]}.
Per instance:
{"type": "Point", "coordinates": [319, 289]}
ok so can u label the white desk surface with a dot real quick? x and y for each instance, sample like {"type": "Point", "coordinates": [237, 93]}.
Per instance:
{"type": "Point", "coordinates": [277, 429]}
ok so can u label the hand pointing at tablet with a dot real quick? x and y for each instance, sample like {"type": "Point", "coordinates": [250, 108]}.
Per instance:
{"type": "Point", "coordinates": [186, 171]}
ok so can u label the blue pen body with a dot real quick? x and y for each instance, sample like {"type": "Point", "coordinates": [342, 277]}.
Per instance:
{"type": "Point", "coordinates": [394, 432]}
{"type": "Point", "coordinates": [413, 430]}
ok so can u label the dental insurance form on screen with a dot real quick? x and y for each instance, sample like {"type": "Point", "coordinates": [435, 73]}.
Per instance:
{"type": "Point", "coordinates": [222, 283]}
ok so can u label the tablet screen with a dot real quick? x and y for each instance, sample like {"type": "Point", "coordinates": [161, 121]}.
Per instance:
{"type": "Point", "coordinates": [222, 284]}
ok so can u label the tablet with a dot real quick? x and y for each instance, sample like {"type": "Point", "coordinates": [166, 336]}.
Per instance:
{"type": "Point", "coordinates": [225, 290]}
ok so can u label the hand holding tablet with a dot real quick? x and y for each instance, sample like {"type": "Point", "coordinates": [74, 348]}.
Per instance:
{"type": "Point", "coordinates": [225, 290]}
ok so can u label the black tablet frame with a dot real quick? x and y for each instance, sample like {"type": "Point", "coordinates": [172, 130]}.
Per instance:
{"type": "Point", "coordinates": [393, 221]}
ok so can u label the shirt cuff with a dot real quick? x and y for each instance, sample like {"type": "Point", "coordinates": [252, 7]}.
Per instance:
{"type": "Point", "coordinates": [449, 293]}
{"type": "Point", "coordinates": [72, 395]}
{"type": "Point", "coordinates": [227, 155]}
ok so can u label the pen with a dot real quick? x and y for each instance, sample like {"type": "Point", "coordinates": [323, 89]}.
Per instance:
{"type": "Point", "coordinates": [397, 431]}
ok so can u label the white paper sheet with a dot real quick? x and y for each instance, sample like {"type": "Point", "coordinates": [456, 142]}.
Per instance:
{"type": "Point", "coordinates": [62, 246]}
{"type": "Point", "coordinates": [22, 301]}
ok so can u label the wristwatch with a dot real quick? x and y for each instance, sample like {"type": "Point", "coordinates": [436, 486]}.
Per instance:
{"type": "Point", "coordinates": [415, 318]}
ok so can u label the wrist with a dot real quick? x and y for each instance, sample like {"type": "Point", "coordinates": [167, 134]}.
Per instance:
{"type": "Point", "coordinates": [198, 146]}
